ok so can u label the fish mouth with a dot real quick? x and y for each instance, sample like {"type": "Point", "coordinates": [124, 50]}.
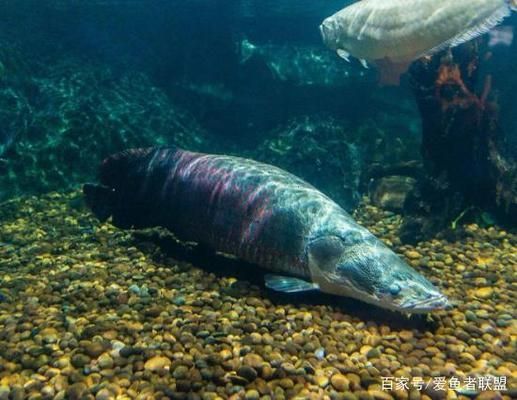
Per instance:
{"type": "Point", "coordinates": [323, 31]}
{"type": "Point", "coordinates": [326, 33]}
{"type": "Point", "coordinates": [437, 302]}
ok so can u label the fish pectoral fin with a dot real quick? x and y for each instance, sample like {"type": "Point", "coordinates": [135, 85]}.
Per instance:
{"type": "Point", "coordinates": [345, 55]}
{"type": "Point", "coordinates": [288, 284]}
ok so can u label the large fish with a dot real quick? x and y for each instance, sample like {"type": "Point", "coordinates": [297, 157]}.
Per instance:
{"type": "Point", "coordinates": [393, 33]}
{"type": "Point", "coordinates": [263, 215]}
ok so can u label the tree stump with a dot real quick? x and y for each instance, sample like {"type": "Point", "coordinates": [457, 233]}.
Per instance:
{"type": "Point", "coordinates": [463, 145]}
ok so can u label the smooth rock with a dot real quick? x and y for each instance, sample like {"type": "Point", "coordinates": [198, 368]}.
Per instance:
{"type": "Point", "coordinates": [104, 394]}
{"type": "Point", "coordinates": [94, 349]}
{"type": "Point", "coordinates": [247, 373]}
{"type": "Point", "coordinates": [484, 292]}
{"type": "Point", "coordinates": [76, 391]}
{"type": "Point", "coordinates": [79, 360]}
{"type": "Point", "coordinates": [322, 381]}
{"type": "Point", "coordinates": [340, 382]}
{"type": "Point", "coordinates": [158, 363]}
{"type": "Point", "coordinates": [4, 392]}
{"type": "Point", "coordinates": [252, 394]}
{"type": "Point", "coordinates": [105, 361]}
{"type": "Point", "coordinates": [180, 372]}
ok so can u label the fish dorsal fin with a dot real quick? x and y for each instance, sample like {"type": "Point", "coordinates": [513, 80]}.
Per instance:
{"type": "Point", "coordinates": [472, 33]}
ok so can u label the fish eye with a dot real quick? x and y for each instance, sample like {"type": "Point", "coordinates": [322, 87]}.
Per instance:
{"type": "Point", "coordinates": [394, 289]}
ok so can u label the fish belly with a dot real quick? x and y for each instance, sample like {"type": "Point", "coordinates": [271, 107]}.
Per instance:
{"type": "Point", "coordinates": [403, 30]}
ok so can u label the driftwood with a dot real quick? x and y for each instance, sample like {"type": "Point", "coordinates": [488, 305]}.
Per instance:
{"type": "Point", "coordinates": [463, 145]}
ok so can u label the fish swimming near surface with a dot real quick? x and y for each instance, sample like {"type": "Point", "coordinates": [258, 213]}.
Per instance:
{"type": "Point", "coordinates": [263, 215]}
{"type": "Point", "coordinates": [393, 33]}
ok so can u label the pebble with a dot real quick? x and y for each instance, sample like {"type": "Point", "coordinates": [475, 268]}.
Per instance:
{"type": "Point", "coordinates": [247, 373]}
{"type": "Point", "coordinates": [105, 361]}
{"type": "Point", "coordinates": [322, 381]}
{"type": "Point", "coordinates": [158, 363]}
{"type": "Point", "coordinates": [406, 335]}
{"type": "Point", "coordinates": [177, 331]}
{"type": "Point", "coordinates": [484, 292]}
{"type": "Point", "coordinates": [180, 372]}
{"type": "Point", "coordinates": [104, 394]}
{"type": "Point", "coordinates": [225, 354]}
{"type": "Point", "coordinates": [94, 349]}
{"type": "Point", "coordinates": [4, 392]}
{"type": "Point", "coordinates": [286, 383]}
{"type": "Point", "coordinates": [252, 394]}
{"type": "Point", "coordinates": [80, 360]}
{"type": "Point", "coordinates": [319, 353]}
{"type": "Point", "coordinates": [76, 391]}
{"type": "Point", "coordinates": [470, 316]}
{"type": "Point", "coordinates": [380, 394]}
{"type": "Point", "coordinates": [489, 395]}
{"type": "Point", "coordinates": [373, 353]}
{"type": "Point", "coordinates": [253, 360]}
{"type": "Point", "coordinates": [49, 335]}
{"type": "Point", "coordinates": [354, 380]}
{"type": "Point", "coordinates": [48, 391]}
{"type": "Point", "coordinates": [256, 338]}
{"type": "Point", "coordinates": [341, 383]}
{"type": "Point", "coordinates": [412, 254]}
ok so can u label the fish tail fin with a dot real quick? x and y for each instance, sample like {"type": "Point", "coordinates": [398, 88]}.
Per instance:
{"type": "Point", "coordinates": [100, 199]}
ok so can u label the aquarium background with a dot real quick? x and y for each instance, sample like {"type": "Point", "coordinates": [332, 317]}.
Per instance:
{"type": "Point", "coordinates": [89, 311]}
{"type": "Point", "coordinates": [83, 79]}
{"type": "Point", "coordinates": [80, 80]}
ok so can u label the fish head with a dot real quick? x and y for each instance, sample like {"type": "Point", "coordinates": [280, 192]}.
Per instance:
{"type": "Point", "coordinates": [360, 266]}
{"type": "Point", "coordinates": [330, 33]}
{"type": "Point", "coordinates": [334, 39]}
